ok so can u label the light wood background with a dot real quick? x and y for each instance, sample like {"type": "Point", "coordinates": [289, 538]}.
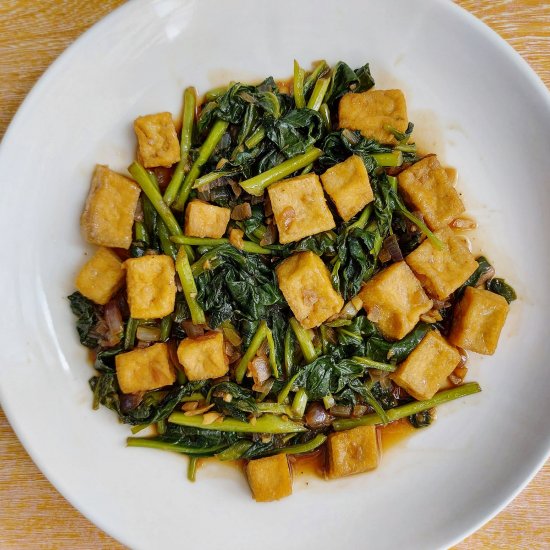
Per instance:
{"type": "Point", "coordinates": [33, 515]}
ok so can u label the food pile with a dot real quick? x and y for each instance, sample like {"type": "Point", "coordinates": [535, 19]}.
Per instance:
{"type": "Point", "coordinates": [281, 274]}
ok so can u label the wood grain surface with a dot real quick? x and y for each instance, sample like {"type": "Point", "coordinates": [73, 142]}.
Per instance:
{"type": "Point", "coordinates": [32, 513]}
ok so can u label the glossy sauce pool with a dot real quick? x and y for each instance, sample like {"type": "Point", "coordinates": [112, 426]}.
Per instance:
{"type": "Point", "coordinates": [389, 436]}
{"type": "Point", "coordinates": [313, 464]}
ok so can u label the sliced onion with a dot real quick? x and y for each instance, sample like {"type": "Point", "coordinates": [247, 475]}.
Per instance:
{"type": "Point", "coordinates": [384, 256]}
{"type": "Point", "coordinates": [488, 275]}
{"type": "Point", "coordinates": [265, 387]}
{"type": "Point", "coordinates": [270, 235]}
{"type": "Point", "coordinates": [268, 209]}
{"type": "Point", "coordinates": [113, 320]}
{"type": "Point", "coordinates": [351, 309]}
{"type": "Point", "coordinates": [391, 245]}
{"type": "Point", "coordinates": [259, 369]}
{"type": "Point", "coordinates": [163, 174]}
{"type": "Point", "coordinates": [138, 212]}
{"type": "Point", "coordinates": [241, 212]}
{"type": "Point", "coordinates": [148, 334]}
{"type": "Point", "coordinates": [192, 330]}
{"type": "Point", "coordinates": [317, 416]}
{"type": "Point", "coordinates": [236, 188]}
{"type": "Point", "coordinates": [129, 401]}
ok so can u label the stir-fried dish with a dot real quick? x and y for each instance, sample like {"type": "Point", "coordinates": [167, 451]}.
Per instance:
{"type": "Point", "coordinates": [282, 274]}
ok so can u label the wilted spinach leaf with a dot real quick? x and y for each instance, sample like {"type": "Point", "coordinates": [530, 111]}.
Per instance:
{"type": "Point", "coordinates": [198, 438]}
{"type": "Point", "coordinates": [501, 287]}
{"type": "Point", "coordinates": [421, 419]}
{"type": "Point", "coordinates": [240, 404]}
{"type": "Point", "coordinates": [340, 145]}
{"type": "Point", "coordinates": [242, 286]}
{"type": "Point", "coordinates": [295, 132]}
{"type": "Point", "coordinates": [87, 314]}
{"type": "Point", "coordinates": [344, 79]}
{"type": "Point", "coordinates": [483, 267]}
{"type": "Point", "coordinates": [327, 375]}
{"type": "Point", "coordinates": [155, 405]}
{"type": "Point", "coordinates": [105, 358]}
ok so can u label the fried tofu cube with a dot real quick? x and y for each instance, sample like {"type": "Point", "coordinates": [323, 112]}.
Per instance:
{"type": "Point", "coordinates": [352, 451]}
{"type": "Point", "coordinates": [347, 184]}
{"type": "Point", "coordinates": [394, 300]}
{"type": "Point", "coordinates": [144, 369]}
{"type": "Point", "coordinates": [478, 320]}
{"type": "Point", "coordinates": [158, 143]}
{"type": "Point", "coordinates": [370, 112]}
{"type": "Point", "coordinates": [269, 478]}
{"type": "Point", "coordinates": [205, 220]}
{"type": "Point", "coordinates": [151, 286]}
{"type": "Point", "coordinates": [101, 276]}
{"type": "Point", "coordinates": [108, 215]}
{"type": "Point", "coordinates": [305, 283]}
{"type": "Point", "coordinates": [300, 208]}
{"type": "Point", "coordinates": [426, 187]}
{"type": "Point", "coordinates": [203, 357]}
{"type": "Point", "coordinates": [441, 272]}
{"type": "Point", "coordinates": [426, 369]}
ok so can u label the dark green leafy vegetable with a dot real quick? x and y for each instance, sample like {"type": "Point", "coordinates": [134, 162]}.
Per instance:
{"type": "Point", "coordinates": [233, 400]}
{"type": "Point", "coordinates": [500, 286]}
{"type": "Point", "coordinates": [483, 268]}
{"type": "Point", "coordinates": [241, 287]}
{"type": "Point", "coordinates": [295, 132]}
{"type": "Point", "coordinates": [87, 314]}
{"type": "Point", "coordinates": [307, 382]}
{"type": "Point", "coordinates": [344, 80]}
{"type": "Point", "coordinates": [421, 419]}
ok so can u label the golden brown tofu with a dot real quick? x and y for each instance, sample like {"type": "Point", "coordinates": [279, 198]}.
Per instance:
{"type": "Point", "coordinates": [205, 220]}
{"type": "Point", "coordinates": [203, 357]}
{"type": "Point", "coordinates": [370, 112]}
{"type": "Point", "coordinates": [394, 300]}
{"type": "Point", "coordinates": [426, 369]}
{"type": "Point", "coordinates": [108, 215]}
{"type": "Point", "coordinates": [305, 283]}
{"type": "Point", "coordinates": [144, 369]}
{"type": "Point", "coordinates": [158, 143]}
{"type": "Point", "coordinates": [269, 478]}
{"type": "Point", "coordinates": [347, 184]}
{"type": "Point", "coordinates": [101, 276]}
{"type": "Point", "coordinates": [151, 286]}
{"type": "Point", "coordinates": [300, 208]}
{"type": "Point", "coordinates": [441, 272]}
{"type": "Point", "coordinates": [352, 451]}
{"type": "Point", "coordinates": [426, 188]}
{"type": "Point", "coordinates": [478, 320]}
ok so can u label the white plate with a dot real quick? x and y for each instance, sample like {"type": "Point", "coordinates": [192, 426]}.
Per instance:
{"type": "Point", "coordinates": [472, 96]}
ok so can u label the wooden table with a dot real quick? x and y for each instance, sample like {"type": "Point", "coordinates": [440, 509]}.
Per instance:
{"type": "Point", "coordinates": [32, 513]}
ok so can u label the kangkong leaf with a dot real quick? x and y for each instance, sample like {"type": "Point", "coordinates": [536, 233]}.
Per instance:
{"type": "Point", "coordinates": [233, 400]}
{"type": "Point", "coordinates": [87, 314]}
{"type": "Point", "coordinates": [295, 132]}
{"type": "Point", "coordinates": [344, 80]}
{"type": "Point", "coordinates": [501, 287]}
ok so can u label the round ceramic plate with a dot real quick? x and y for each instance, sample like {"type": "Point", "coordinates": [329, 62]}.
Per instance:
{"type": "Point", "coordinates": [476, 104]}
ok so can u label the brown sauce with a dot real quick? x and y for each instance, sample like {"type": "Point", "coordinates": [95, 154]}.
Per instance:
{"type": "Point", "coordinates": [312, 464]}
{"type": "Point", "coordinates": [394, 433]}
